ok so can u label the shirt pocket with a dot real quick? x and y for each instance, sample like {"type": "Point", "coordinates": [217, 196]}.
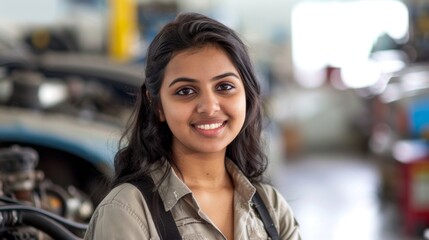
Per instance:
{"type": "Point", "coordinates": [192, 229]}
{"type": "Point", "coordinates": [256, 232]}
{"type": "Point", "coordinates": [194, 236]}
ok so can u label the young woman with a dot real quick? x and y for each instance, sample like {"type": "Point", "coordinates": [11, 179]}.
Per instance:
{"type": "Point", "coordinates": [196, 133]}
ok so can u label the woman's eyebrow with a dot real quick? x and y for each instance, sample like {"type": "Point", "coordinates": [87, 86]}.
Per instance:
{"type": "Point", "coordinates": [223, 75]}
{"type": "Point", "coordinates": [191, 80]}
{"type": "Point", "coordinates": [182, 79]}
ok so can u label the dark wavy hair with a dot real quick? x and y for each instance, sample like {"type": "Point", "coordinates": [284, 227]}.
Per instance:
{"type": "Point", "coordinates": [147, 140]}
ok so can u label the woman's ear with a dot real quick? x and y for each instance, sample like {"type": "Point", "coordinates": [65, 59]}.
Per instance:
{"type": "Point", "coordinates": [161, 114]}
{"type": "Point", "coordinates": [160, 111]}
{"type": "Point", "coordinates": [148, 96]}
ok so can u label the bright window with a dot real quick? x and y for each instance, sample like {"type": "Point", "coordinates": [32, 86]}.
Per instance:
{"type": "Point", "coordinates": [338, 34]}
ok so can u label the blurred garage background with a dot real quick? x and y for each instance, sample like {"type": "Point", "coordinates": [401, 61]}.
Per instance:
{"type": "Point", "coordinates": [345, 84]}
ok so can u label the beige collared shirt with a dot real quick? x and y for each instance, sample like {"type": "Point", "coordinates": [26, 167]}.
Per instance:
{"type": "Point", "coordinates": [124, 214]}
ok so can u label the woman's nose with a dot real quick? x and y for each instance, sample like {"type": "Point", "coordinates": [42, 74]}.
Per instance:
{"type": "Point", "coordinates": [208, 104]}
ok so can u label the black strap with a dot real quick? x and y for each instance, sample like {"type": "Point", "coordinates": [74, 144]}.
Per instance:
{"type": "Point", "coordinates": [265, 216]}
{"type": "Point", "coordinates": [165, 224]}
{"type": "Point", "coordinates": [164, 221]}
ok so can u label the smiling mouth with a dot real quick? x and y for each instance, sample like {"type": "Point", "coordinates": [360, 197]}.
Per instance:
{"type": "Point", "coordinates": [210, 126]}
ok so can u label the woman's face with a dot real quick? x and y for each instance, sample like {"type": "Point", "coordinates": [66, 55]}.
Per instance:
{"type": "Point", "coordinates": [203, 100]}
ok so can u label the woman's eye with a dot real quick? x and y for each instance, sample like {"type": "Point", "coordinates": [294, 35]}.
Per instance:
{"type": "Point", "coordinates": [225, 87]}
{"type": "Point", "coordinates": [185, 91]}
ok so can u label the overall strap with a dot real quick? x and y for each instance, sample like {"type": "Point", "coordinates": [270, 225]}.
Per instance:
{"type": "Point", "coordinates": [265, 216]}
{"type": "Point", "coordinates": [165, 224]}
{"type": "Point", "coordinates": [163, 220]}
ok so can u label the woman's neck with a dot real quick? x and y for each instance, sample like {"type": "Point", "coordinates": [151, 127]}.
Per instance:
{"type": "Point", "coordinates": [203, 171]}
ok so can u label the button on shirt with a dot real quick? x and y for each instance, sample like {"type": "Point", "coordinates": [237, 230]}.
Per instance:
{"type": "Point", "coordinates": [124, 214]}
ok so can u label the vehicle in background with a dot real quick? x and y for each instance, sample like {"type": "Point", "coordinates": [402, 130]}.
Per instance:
{"type": "Point", "coordinates": [70, 108]}
{"type": "Point", "coordinates": [32, 207]}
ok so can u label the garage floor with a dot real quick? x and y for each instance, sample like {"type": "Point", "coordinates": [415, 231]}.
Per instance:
{"type": "Point", "coordinates": [335, 197]}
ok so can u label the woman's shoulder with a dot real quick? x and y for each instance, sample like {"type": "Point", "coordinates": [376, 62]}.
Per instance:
{"type": "Point", "coordinates": [279, 210]}
{"type": "Point", "coordinates": [123, 206]}
{"type": "Point", "coordinates": [273, 198]}
{"type": "Point", "coordinates": [268, 191]}
{"type": "Point", "coordinates": [123, 194]}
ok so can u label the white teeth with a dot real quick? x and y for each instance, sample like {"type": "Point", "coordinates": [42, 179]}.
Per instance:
{"type": "Point", "coordinates": [209, 126]}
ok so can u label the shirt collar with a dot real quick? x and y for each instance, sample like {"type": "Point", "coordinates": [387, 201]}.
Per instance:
{"type": "Point", "coordinates": [172, 189]}
{"type": "Point", "coordinates": [242, 186]}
